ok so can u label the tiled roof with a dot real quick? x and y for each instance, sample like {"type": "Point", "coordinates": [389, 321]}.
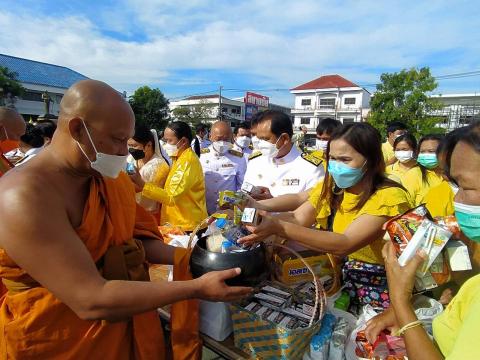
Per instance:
{"type": "Point", "coordinates": [35, 72]}
{"type": "Point", "coordinates": [325, 82]}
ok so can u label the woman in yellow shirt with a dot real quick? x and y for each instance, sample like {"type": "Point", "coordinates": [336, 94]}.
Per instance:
{"type": "Point", "coordinates": [146, 157]}
{"type": "Point", "coordinates": [359, 199]}
{"type": "Point", "coordinates": [404, 148]}
{"type": "Point", "coordinates": [183, 196]}
{"type": "Point", "coordinates": [419, 180]}
{"type": "Point", "coordinates": [455, 331]}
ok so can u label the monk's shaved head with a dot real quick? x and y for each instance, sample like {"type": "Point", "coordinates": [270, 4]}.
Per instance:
{"type": "Point", "coordinates": [13, 124]}
{"type": "Point", "coordinates": [94, 118]}
{"type": "Point", "coordinates": [91, 100]}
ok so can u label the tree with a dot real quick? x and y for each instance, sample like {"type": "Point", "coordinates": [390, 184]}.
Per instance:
{"type": "Point", "coordinates": [10, 87]}
{"type": "Point", "coordinates": [193, 114]}
{"type": "Point", "coordinates": [150, 107]}
{"type": "Point", "coordinates": [403, 97]}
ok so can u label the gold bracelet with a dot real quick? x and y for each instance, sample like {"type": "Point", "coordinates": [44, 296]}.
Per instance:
{"type": "Point", "coordinates": [408, 327]}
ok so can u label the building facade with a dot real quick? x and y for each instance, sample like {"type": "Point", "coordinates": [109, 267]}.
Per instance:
{"type": "Point", "coordinates": [458, 109]}
{"type": "Point", "coordinates": [37, 77]}
{"type": "Point", "coordinates": [329, 96]}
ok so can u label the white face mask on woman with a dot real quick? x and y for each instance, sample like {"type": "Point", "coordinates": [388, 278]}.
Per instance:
{"type": "Point", "coordinates": [106, 164]}
{"type": "Point", "coordinates": [404, 156]}
{"type": "Point", "coordinates": [170, 149]}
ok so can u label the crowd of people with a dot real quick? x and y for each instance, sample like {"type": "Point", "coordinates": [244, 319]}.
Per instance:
{"type": "Point", "coordinates": [109, 184]}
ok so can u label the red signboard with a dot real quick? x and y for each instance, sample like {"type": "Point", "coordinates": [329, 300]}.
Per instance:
{"type": "Point", "coordinates": [256, 99]}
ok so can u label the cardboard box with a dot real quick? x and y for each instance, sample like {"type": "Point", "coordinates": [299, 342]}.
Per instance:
{"type": "Point", "coordinates": [292, 270]}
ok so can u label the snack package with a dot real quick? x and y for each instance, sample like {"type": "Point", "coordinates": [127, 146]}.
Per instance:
{"type": "Point", "coordinates": [386, 347]}
{"type": "Point", "coordinates": [402, 228]}
{"type": "Point", "coordinates": [250, 189]}
{"type": "Point", "coordinates": [450, 223]}
{"type": "Point", "coordinates": [291, 270]}
{"type": "Point", "coordinates": [250, 216]}
{"type": "Point", "coordinates": [228, 198]}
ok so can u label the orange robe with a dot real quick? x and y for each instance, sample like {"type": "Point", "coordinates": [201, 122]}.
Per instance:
{"type": "Point", "coordinates": [34, 324]}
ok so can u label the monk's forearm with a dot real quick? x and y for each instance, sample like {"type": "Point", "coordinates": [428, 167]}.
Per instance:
{"type": "Point", "coordinates": [158, 252]}
{"type": "Point", "coordinates": [118, 300]}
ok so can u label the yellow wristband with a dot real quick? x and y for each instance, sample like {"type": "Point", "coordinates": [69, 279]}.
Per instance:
{"type": "Point", "coordinates": [408, 327]}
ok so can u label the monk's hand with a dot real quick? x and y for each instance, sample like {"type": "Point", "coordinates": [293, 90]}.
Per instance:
{"type": "Point", "coordinates": [212, 287]}
{"type": "Point", "coordinates": [262, 193]}
{"type": "Point", "coordinates": [383, 321]}
{"type": "Point", "coordinates": [401, 279]}
{"type": "Point", "coordinates": [267, 226]}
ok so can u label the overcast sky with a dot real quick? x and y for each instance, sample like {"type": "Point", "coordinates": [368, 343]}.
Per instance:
{"type": "Point", "coordinates": [189, 47]}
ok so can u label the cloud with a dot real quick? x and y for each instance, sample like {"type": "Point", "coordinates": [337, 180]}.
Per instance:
{"type": "Point", "coordinates": [273, 43]}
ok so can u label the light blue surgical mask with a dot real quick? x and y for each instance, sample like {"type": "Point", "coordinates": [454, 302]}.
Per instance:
{"type": "Point", "coordinates": [428, 160]}
{"type": "Point", "coordinates": [344, 175]}
{"type": "Point", "coordinates": [468, 218]}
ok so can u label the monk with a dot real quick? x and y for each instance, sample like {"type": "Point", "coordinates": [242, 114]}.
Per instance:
{"type": "Point", "coordinates": [12, 126]}
{"type": "Point", "coordinates": [73, 244]}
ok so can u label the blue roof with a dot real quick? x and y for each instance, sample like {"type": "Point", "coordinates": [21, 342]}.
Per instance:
{"type": "Point", "coordinates": [35, 72]}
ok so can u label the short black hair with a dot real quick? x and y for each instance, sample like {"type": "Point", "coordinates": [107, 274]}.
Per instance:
{"type": "Point", "coordinates": [181, 129]}
{"type": "Point", "coordinates": [242, 125]}
{"type": "Point", "coordinates": [201, 127]}
{"type": "Point", "coordinates": [280, 122]}
{"type": "Point", "coordinates": [409, 139]}
{"type": "Point", "coordinates": [47, 128]}
{"type": "Point", "coordinates": [143, 135]}
{"type": "Point", "coordinates": [327, 126]}
{"type": "Point", "coordinates": [396, 125]}
{"type": "Point", "coordinates": [32, 136]}
{"type": "Point", "coordinates": [256, 118]}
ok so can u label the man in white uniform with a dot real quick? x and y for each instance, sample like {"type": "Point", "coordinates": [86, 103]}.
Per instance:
{"type": "Point", "coordinates": [242, 140]}
{"type": "Point", "coordinates": [281, 167]}
{"type": "Point", "coordinates": [223, 167]}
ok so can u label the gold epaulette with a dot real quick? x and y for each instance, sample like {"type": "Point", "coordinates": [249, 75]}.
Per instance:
{"type": "Point", "coordinates": [235, 153]}
{"type": "Point", "coordinates": [312, 158]}
{"type": "Point", "coordinates": [254, 155]}
{"type": "Point", "coordinates": [204, 151]}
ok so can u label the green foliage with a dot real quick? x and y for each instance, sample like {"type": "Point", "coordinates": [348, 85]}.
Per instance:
{"type": "Point", "coordinates": [9, 84]}
{"type": "Point", "coordinates": [403, 97]}
{"type": "Point", "coordinates": [193, 114]}
{"type": "Point", "coordinates": [150, 107]}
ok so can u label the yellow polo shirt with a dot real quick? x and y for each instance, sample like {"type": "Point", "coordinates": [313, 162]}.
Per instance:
{"type": "Point", "coordinates": [386, 201]}
{"type": "Point", "coordinates": [439, 200]}
{"type": "Point", "coordinates": [416, 187]}
{"type": "Point", "coordinates": [387, 151]}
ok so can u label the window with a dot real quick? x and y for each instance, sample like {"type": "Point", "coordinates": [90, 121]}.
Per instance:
{"type": "Point", "coordinates": [32, 96]}
{"type": "Point", "coordinates": [347, 121]}
{"type": "Point", "coordinates": [350, 101]}
{"type": "Point", "coordinates": [305, 121]}
{"type": "Point", "coordinates": [327, 103]}
{"type": "Point", "coordinates": [306, 102]}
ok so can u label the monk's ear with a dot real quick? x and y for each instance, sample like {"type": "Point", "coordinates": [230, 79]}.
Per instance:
{"type": "Point", "coordinates": [76, 129]}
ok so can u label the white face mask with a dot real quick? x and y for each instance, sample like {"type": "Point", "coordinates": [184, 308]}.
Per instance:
{"type": "Point", "coordinates": [255, 141]}
{"type": "Point", "coordinates": [321, 144]}
{"type": "Point", "coordinates": [404, 156]}
{"type": "Point", "coordinates": [243, 141]}
{"type": "Point", "coordinates": [171, 150]}
{"type": "Point", "coordinates": [221, 147]}
{"type": "Point", "coordinates": [106, 164]}
{"type": "Point", "coordinates": [268, 149]}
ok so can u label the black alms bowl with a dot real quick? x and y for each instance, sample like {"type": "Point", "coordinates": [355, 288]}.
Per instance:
{"type": "Point", "coordinates": [252, 262]}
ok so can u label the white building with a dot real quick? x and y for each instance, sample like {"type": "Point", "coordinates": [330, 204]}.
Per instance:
{"type": "Point", "coordinates": [458, 109]}
{"type": "Point", "coordinates": [329, 96]}
{"type": "Point", "coordinates": [37, 77]}
{"type": "Point", "coordinates": [232, 110]}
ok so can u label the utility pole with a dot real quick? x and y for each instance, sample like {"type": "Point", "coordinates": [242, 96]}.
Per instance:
{"type": "Point", "coordinates": [220, 102]}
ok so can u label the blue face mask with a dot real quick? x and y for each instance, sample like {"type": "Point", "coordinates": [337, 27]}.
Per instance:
{"type": "Point", "coordinates": [428, 160]}
{"type": "Point", "coordinates": [344, 175]}
{"type": "Point", "coordinates": [468, 218]}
